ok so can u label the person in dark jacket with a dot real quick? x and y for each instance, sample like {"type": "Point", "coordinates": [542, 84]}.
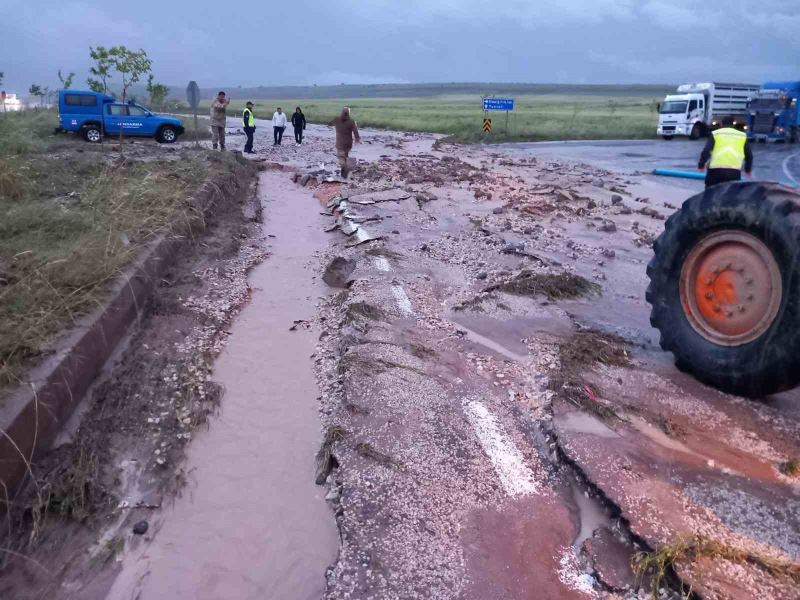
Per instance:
{"type": "Point", "coordinates": [346, 132]}
{"type": "Point", "coordinates": [299, 123]}
{"type": "Point", "coordinates": [249, 122]}
{"type": "Point", "coordinates": [727, 148]}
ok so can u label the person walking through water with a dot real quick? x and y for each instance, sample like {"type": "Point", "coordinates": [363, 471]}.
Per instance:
{"type": "Point", "coordinates": [218, 117]}
{"type": "Point", "coordinates": [278, 125]}
{"type": "Point", "coordinates": [727, 148]}
{"type": "Point", "coordinates": [346, 132]}
{"type": "Point", "coordinates": [249, 122]}
{"type": "Point", "coordinates": [299, 124]}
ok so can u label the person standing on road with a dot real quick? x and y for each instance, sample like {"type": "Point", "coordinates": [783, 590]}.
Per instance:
{"type": "Point", "coordinates": [249, 122]}
{"type": "Point", "coordinates": [278, 125]}
{"type": "Point", "coordinates": [299, 124]}
{"type": "Point", "coordinates": [727, 148]}
{"type": "Point", "coordinates": [346, 132]}
{"type": "Point", "coordinates": [218, 117]}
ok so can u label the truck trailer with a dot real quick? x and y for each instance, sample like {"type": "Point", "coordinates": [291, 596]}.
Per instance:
{"type": "Point", "coordinates": [773, 113]}
{"type": "Point", "coordinates": [698, 108]}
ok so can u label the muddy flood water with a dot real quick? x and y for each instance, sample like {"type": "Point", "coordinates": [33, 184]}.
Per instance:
{"type": "Point", "coordinates": [251, 523]}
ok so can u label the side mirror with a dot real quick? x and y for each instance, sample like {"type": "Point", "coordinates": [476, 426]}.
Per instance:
{"type": "Point", "coordinates": [658, 107]}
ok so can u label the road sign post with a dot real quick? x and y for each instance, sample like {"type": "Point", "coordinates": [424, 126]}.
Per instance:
{"type": "Point", "coordinates": [193, 97]}
{"type": "Point", "coordinates": [498, 104]}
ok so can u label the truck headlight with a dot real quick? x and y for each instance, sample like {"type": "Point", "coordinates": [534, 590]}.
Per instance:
{"type": "Point", "coordinates": [781, 130]}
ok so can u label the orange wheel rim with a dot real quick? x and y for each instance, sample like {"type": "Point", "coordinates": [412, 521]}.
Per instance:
{"type": "Point", "coordinates": [730, 288]}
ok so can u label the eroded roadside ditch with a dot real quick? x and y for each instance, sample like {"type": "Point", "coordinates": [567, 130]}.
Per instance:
{"type": "Point", "coordinates": [123, 455]}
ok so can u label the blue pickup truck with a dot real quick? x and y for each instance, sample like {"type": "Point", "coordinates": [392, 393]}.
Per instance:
{"type": "Point", "coordinates": [92, 115]}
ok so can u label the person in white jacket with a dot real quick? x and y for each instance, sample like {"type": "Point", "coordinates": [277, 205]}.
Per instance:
{"type": "Point", "coordinates": [278, 125]}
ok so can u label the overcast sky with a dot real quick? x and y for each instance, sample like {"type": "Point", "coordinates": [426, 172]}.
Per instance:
{"type": "Point", "coordinates": [382, 41]}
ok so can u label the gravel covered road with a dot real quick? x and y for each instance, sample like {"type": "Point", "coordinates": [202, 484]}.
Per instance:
{"type": "Point", "coordinates": [497, 420]}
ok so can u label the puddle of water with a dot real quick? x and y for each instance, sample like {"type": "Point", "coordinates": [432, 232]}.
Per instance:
{"type": "Point", "coordinates": [591, 515]}
{"type": "Point", "coordinates": [581, 422]}
{"type": "Point", "coordinates": [484, 341]}
{"type": "Point", "coordinates": [659, 437]}
{"type": "Point", "coordinates": [251, 523]}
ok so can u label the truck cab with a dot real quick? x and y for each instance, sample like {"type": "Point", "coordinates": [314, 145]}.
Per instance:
{"type": "Point", "coordinates": [682, 114]}
{"type": "Point", "coordinates": [773, 113]}
{"type": "Point", "coordinates": [92, 115]}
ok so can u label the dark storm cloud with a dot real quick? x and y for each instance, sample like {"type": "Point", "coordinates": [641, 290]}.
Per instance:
{"type": "Point", "coordinates": [360, 41]}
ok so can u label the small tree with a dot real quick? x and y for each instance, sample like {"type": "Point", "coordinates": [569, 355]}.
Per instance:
{"type": "Point", "coordinates": [66, 82]}
{"type": "Point", "coordinates": [101, 69]}
{"type": "Point", "coordinates": [36, 90]}
{"type": "Point", "coordinates": [2, 76]}
{"type": "Point", "coordinates": [158, 92]}
{"type": "Point", "coordinates": [131, 65]}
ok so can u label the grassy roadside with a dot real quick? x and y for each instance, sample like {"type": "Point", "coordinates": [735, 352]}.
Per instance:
{"type": "Point", "coordinates": [536, 118]}
{"type": "Point", "coordinates": [72, 216]}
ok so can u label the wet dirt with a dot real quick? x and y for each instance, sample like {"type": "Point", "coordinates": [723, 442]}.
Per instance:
{"type": "Point", "coordinates": [565, 364]}
{"type": "Point", "coordinates": [251, 523]}
{"type": "Point", "coordinates": [120, 457]}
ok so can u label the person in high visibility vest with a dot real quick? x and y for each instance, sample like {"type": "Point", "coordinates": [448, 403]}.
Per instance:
{"type": "Point", "coordinates": [727, 148]}
{"type": "Point", "coordinates": [249, 120]}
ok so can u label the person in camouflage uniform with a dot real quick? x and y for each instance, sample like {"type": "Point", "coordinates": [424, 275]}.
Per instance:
{"type": "Point", "coordinates": [218, 116]}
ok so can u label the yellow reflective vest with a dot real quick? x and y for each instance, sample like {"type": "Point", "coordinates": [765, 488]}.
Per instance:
{"type": "Point", "coordinates": [728, 152]}
{"type": "Point", "coordinates": [249, 118]}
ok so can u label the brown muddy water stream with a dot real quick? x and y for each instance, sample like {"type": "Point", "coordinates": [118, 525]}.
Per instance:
{"type": "Point", "coordinates": [250, 522]}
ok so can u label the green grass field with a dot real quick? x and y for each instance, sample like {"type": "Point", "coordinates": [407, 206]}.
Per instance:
{"type": "Point", "coordinates": [536, 118]}
{"type": "Point", "coordinates": [72, 216]}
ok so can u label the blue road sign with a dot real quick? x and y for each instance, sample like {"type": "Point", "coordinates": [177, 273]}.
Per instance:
{"type": "Point", "coordinates": [498, 104]}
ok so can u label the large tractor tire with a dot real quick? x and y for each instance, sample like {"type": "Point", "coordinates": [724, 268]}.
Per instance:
{"type": "Point", "coordinates": [725, 287]}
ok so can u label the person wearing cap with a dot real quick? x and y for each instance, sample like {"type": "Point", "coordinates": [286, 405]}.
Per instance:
{"type": "Point", "coordinates": [249, 122]}
{"type": "Point", "coordinates": [218, 117]}
{"type": "Point", "coordinates": [727, 148]}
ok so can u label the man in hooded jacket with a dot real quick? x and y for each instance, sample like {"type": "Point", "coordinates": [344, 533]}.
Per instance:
{"type": "Point", "coordinates": [346, 132]}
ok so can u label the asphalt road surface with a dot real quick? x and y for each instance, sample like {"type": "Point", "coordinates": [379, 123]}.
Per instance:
{"type": "Point", "coordinates": [773, 162]}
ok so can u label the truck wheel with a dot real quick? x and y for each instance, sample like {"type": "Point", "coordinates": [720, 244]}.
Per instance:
{"type": "Point", "coordinates": [668, 137]}
{"type": "Point", "coordinates": [697, 131]}
{"type": "Point", "coordinates": [167, 135]}
{"type": "Point", "coordinates": [725, 287]}
{"type": "Point", "coordinates": [92, 133]}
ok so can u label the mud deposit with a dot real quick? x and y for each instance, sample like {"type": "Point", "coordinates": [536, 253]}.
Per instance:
{"type": "Point", "coordinates": [497, 420]}
{"type": "Point", "coordinates": [526, 437]}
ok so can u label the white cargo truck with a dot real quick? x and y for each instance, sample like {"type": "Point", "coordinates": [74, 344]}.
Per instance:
{"type": "Point", "coordinates": [698, 108]}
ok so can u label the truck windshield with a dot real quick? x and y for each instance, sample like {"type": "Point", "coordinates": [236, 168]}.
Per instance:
{"type": "Point", "coordinates": [673, 107]}
{"type": "Point", "coordinates": [767, 104]}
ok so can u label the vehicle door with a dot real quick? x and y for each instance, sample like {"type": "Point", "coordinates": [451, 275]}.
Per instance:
{"type": "Point", "coordinates": [695, 111]}
{"type": "Point", "coordinates": [140, 121]}
{"type": "Point", "coordinates": [115, 118]}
